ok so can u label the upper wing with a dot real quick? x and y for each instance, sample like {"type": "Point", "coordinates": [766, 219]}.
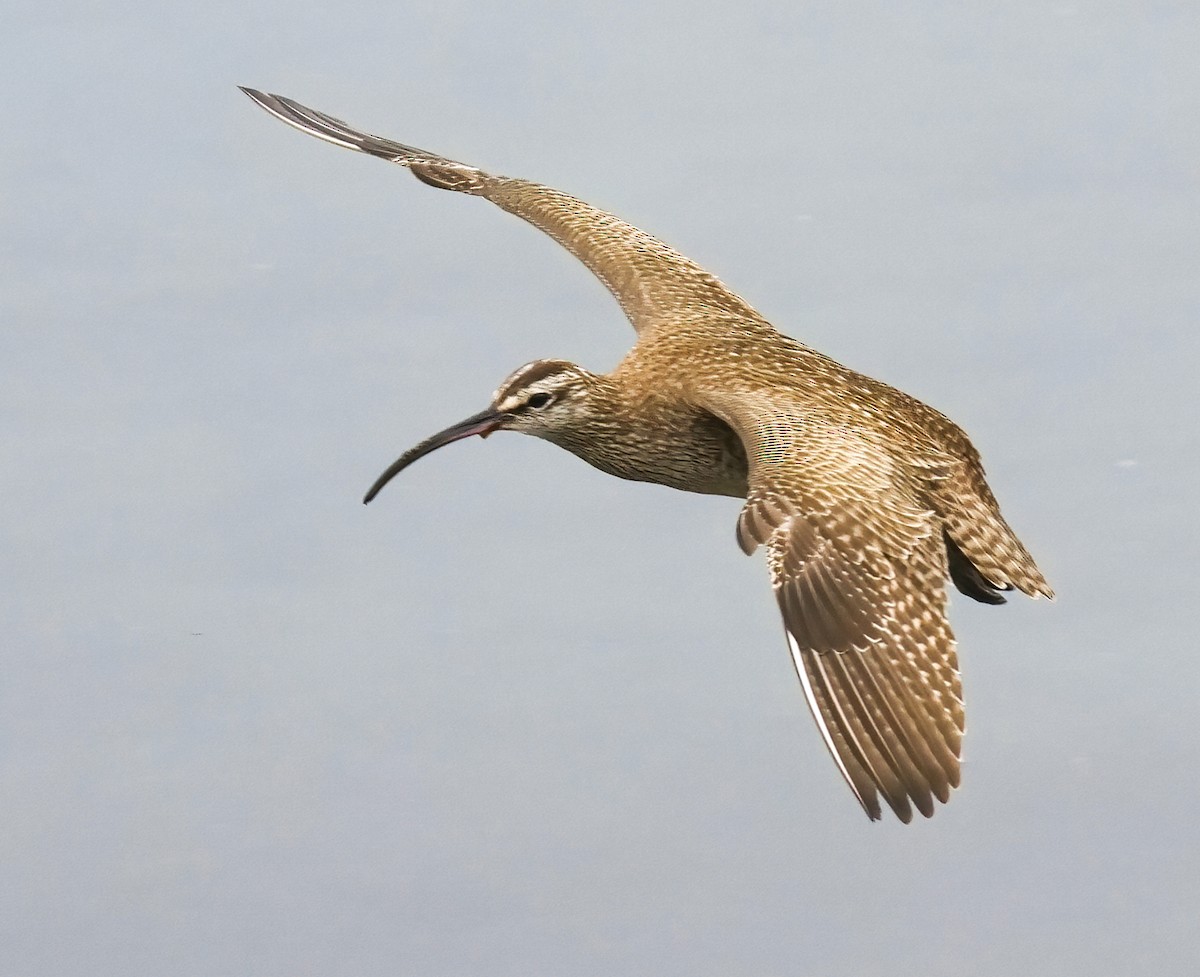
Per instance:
{"type": "Point", "coordinates": [653, 283]}
{"type": "Point", "coordinates": [858, 566]}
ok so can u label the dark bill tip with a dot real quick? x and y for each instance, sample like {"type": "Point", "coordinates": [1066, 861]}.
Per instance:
{"type": "Point", "coordinates": [483, 424]}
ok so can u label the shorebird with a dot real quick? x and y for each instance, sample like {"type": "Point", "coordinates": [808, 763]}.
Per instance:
{"type": "Point", "coordinates": [865, 499]}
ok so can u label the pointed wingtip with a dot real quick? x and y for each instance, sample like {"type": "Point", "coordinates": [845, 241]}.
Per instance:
{"type": "Point", "coordinates": [261, 99]}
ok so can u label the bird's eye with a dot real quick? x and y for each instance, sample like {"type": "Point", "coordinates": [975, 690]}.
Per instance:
{"type": "Point", "coordinates": [539, 400]}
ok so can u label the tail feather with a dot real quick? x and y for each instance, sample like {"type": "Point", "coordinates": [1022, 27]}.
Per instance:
{"type": "Point", "coordinates": [992, 557]}
{"type": "Point", "coordinates": [967, 578]}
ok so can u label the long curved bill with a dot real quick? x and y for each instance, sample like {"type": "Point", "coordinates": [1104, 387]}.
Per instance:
{"type": "Point", "coordinates": [483, 424]}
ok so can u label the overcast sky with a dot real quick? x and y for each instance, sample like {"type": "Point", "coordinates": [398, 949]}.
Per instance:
{"type": "Point", "coordinates": [518, 717]}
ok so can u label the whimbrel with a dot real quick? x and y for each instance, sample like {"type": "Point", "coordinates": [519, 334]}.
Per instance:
{"type": "Point", "coordinates": [865, 499]}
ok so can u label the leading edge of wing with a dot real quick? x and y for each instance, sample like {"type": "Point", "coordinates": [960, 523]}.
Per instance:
{"type": "Point", "coordinates": [656, 286]}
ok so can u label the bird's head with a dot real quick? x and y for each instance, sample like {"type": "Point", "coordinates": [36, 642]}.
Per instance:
{"type": "Point", "coordinates": [543, 398]}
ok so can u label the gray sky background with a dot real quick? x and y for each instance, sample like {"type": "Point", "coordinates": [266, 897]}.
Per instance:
{"type": "Point", "coordinates": [518, 717]}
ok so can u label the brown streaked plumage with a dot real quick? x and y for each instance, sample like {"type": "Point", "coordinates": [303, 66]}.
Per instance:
{"type": "Point", "coordinates": [865, 500]}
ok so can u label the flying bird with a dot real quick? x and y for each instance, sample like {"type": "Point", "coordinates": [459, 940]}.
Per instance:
{"type": "Point", "coordinates": [864, 499]}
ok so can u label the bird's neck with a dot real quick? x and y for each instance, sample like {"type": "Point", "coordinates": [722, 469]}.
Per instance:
{"type": "Point", "coordinates": [649, 438]}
